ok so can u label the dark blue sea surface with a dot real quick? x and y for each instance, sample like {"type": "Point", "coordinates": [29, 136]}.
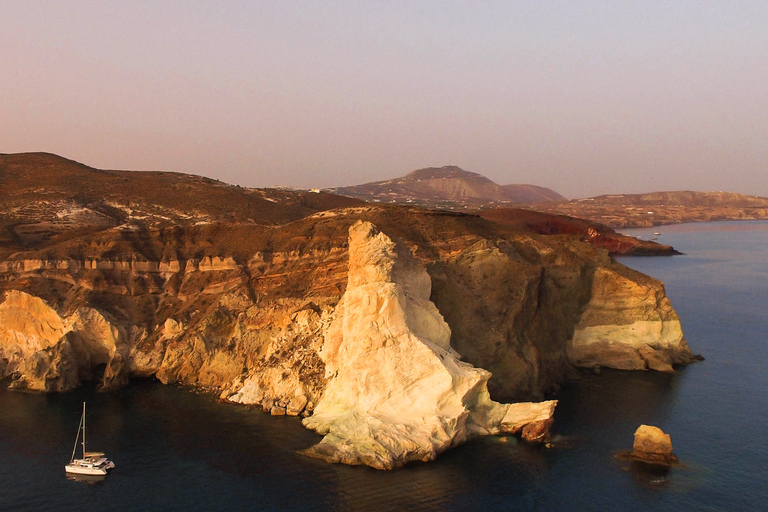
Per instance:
{"type": "Point", "coordinates": [179, 450]}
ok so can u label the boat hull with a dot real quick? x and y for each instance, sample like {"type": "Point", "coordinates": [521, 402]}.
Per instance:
{"type": "Point", "coordinates": [85, 470]}
{"type": "Point", "coordinates": [87, 467]}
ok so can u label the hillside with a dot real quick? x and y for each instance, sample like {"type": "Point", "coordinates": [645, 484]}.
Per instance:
{"type": "Point", "coordinates": [46, 198]}
{"type": "Point", "coordinates": [452, 188]}
{"type": "Point", "coordinates": [658, 208]}
{"type": "Point", "coordinates": [447, 187]}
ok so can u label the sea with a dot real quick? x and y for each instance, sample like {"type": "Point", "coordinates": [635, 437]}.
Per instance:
{"type": "Point", "coordinates": [176, 449]}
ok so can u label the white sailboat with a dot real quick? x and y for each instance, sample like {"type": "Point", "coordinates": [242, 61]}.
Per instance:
{"type": "Point", "coordinates": [92, 463]}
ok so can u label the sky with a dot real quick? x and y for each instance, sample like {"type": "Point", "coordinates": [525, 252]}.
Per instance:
{"type": "Point", "coordinates": [585, 97]}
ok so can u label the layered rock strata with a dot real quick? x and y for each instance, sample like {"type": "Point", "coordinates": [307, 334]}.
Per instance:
{"type": "Point", "coordinates": [396, 391]}
{"type": "Point", "coordinates": [246, 311]}
{"type": "Point", "coordinates": [526, 308]}
{"type": "Point", "coordinates": [628, 324]}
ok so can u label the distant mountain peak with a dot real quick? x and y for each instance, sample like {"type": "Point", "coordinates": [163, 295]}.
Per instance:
{"type": "Point", "coordinates": [447, 171]}
{"type": "Point", "coordinates": [448, 187]}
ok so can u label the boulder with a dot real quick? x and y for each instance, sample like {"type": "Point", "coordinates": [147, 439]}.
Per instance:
{"type": "Point", "coordinates": [653, 445]}
{"type": "Point", "coordinates": [296, 405]}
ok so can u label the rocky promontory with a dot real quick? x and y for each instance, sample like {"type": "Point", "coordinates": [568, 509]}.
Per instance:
{"type": "Point", "coordinates": [410, 334]}
{"type": "Point", "coordinates": [396, 391]}
{"type": "Point", "coordinates": [596, 234]}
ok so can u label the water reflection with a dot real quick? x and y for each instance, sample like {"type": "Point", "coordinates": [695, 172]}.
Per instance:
{"type": "Point", "coordinates": [648, 475]}
{"type": "Point", "coordinates": [615, 401]}
{"type": "Point", "coordinates": [87, 479]}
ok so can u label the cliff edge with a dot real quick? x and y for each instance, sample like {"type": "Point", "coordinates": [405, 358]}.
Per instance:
{"type": "Point", "coordinates": [396, 391]}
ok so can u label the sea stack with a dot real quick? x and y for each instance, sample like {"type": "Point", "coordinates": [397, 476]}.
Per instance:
{"type": "Point", "coordinates": [653, 445]}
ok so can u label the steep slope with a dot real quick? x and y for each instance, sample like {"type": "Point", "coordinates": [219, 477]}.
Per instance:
{"type": "Point", "coordinates": [226, 295]}
{"type": "Point", "coordinates": [396, 391]}
{"type": "Point", "coordinates": [531, 194]}
{"type": "Point", "coordinates": [47, 198]}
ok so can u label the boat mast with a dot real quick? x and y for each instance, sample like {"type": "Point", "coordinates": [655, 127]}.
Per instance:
{"type": "Point", "coordinates": [77, 437]}
{"type": "Point", "coordinates": [83, 429]}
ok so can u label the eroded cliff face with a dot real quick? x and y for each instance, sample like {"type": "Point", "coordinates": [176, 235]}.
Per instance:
{"type": "Point", "coordinates": [629, 324]}
{"type": "Point", "coordinates": [209, 322]}
{"type": "Point", "coordinates": [48, 352]}
{"type": "Point", "coordinates": [530, 314]}
{"type": "Point", "coordinates": [396, 391]}
{"type": "Point", "coordinates": [511, 307]}
{"type": "Point", "coordinates": [526, 308]}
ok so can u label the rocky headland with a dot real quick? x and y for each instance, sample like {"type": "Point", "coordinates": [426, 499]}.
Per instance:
{"type": "Point", "coordinates": [395, 389]}
{"type": "Point", "coordinates": [394, 342]}
{"type": "Point", "coordinates": [596, 234]}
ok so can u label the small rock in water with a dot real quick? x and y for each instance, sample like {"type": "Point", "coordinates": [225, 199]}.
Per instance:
{"type": "Point", "coordinates": [653, 445]}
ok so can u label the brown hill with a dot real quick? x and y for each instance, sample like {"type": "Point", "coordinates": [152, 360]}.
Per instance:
{"type": "Point", "coordinates": [447, 187]}
{"type": "Point", "coordinates": [47, 198]}
{"type": "Point", "coordinates": [657, 208]}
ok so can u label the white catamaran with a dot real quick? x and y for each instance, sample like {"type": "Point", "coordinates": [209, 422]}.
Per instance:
{"type": "Point", "coordinates": [92, 463]}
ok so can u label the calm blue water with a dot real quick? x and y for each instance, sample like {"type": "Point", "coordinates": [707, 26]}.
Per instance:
{"type": "Point", "coordinates": [178, 450]}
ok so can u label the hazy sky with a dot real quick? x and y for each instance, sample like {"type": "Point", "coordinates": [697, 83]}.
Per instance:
{"type": "Point", "coordinates": [585, 97]}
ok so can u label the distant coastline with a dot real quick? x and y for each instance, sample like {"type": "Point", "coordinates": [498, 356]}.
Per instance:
{"type": "Point", "coordinates": [662, 208]}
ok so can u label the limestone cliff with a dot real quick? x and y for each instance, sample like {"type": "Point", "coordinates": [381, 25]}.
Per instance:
{"type": "Point", "coordinates": [629, 324]}
{"type": "Point", "coordinates": [530, 314]}
{"type": "Point", "coordinates": [395, 389]}
{"type": "Point", "coordinates": [261, 297]}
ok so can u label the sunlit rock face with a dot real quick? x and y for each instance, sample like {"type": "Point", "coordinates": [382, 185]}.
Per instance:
{"type": "Point", "coordinates": [629, 324]}
{"type": "Point", "coordinates": [396, 391]}
{"type": "Point", "coordinates": [48, 352]}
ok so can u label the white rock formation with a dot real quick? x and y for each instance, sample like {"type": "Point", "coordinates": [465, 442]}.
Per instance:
{"type": "Point", "coordinates": [396, 391]}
